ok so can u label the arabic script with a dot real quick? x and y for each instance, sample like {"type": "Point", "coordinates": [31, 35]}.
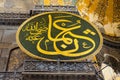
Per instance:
{"type": "Point", "coordinates": [59, 35]}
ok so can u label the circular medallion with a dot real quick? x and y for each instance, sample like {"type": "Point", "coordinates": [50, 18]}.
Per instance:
{"type": "Point", "coordinates": [59, 35]}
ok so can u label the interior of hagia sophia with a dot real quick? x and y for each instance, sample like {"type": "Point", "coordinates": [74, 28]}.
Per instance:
{"type": "Point", "coordinates": [16, 65]}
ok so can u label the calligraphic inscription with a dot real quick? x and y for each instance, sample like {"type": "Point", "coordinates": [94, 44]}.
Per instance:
{"type": "Point", "coordinates": [58, 35]}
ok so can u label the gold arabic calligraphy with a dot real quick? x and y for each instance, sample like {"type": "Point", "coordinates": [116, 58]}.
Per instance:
{"type": "Point", "coordinates": [35, 30]}
{"type": "Point", "coordinates": [62, 36]}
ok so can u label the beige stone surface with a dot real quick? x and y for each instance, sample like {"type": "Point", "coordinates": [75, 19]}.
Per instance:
{"type": "Point", "coordinates": [3, 62]}
{"type": "Point", "coordinates": [9, 27]}
{"type": "Point", "coordinates": [4, 45]}
{"type": "Point", "coordinates": [117, 78]}
{"type": "Point", "coordinates": [5, 53]}
{"type": "Point", "coordinates": [16, 60]}
{"type": "Point", "coordinates": [0, 52]}
{"type": "Point", "coordinates": [1, 3]}
{"type": "Point", "coordinates": [16, 5]}
{"type": "Point", "coordinates": [9, 36]}
{"type": "Point", "coordinates": [1, 34]}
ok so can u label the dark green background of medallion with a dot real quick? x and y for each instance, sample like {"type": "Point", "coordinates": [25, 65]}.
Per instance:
{"type": "Point", "coordinates": [32, 47]}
